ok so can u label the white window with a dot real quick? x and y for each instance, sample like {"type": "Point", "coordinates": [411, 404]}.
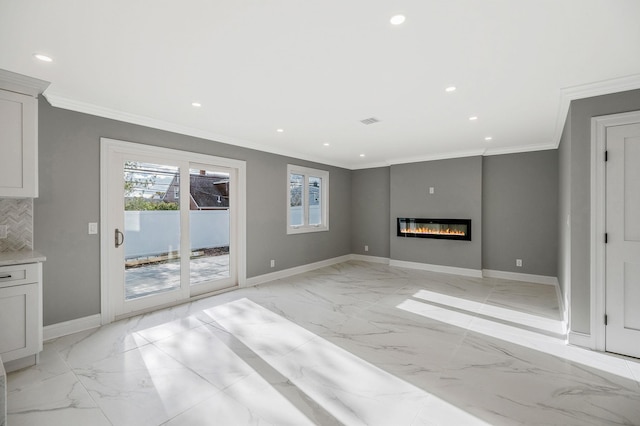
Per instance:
{"type": "Point", "coordinates": [307, 200]}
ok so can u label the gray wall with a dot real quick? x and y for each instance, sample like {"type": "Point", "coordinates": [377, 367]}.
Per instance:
{"type": "Point", "coordinates": [458, 194]}
{"type": "Point", "coordinates": [370, 211]}
{"type": "Point", "coordinates": [69, 198]}
{"type": "Point", "coordinates": [579, 163]}
{"type": "Point", "coordinates": [69, 149]}
{"type": "Point", "coordinates": [520, 212]}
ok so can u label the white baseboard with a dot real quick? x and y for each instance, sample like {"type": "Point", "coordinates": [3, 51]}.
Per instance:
{"type": "Point", "coordinates": [285, 273]}
{"type": "Point", "coordinates": [372, 259]}
{"type": "Point", "coordinates": [566, 309]}
{"type": "Point", "coordinates": [476, 273]}
{"type": "Point", "coordinates": [20, 363]}
{"type": "Point", "coordinates": [580, 339]}
{"type": "Point", "coordinates": [60, 329]}
{"type": "Point", "coordinates": [563, 309]}
{"type": "Point", "coordinates": [515, 276]}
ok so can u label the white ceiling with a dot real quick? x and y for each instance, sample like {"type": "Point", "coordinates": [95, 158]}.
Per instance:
{"type": "Point", "coordinates": [316, 68]}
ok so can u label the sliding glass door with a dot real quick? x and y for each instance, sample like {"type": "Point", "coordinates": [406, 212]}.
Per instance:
{"type": "Point", "coordinates": [210, 217]}
{"type": "Point", "coordinates": [172, 225]}
{"type": "Point", "coordinates": [150, 240]}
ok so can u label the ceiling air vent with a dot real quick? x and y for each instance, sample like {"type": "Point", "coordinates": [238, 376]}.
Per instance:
{"type": "Point", "coordinates": [369, 120]}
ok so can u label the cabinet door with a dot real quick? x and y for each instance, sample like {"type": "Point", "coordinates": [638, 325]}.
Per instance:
{"type": "Point", "coordinates": [18, 145]}
{"type": "Point", "coordinates": [18, 321]}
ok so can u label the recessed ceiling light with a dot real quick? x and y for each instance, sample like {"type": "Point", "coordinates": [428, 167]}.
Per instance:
{"type": "Point", "coordinates": [326, 144]}
{"type": "Point", "coordinates": [361, 155]}
{"type": "Point", "coordinates": [397, 19]}
{"type": "Point", "coordinates": [473, 118]}
{"type": "Point", "coordinates": [196, 104]}
{"type": "Point", "coordinates": [488, 138]}
{"type": "Point", "coordinates": [43, 58]}
{"type": "Point", "coordinates": [280, 130]}
{"type": "Point", "coordinates": [450, 89]}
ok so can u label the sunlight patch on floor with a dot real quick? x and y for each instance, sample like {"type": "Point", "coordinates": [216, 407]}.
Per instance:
{"type": "Point", "coordinates": [513, 316]}
{"type": "Point", "coordinates": [212, 359]}
{"type": "Point", "coordinates": [349, 388]}
{"type": "Point", "coordinates": [519, 336]}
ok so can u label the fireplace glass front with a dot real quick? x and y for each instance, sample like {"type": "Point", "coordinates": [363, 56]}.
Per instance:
{"type": "Point", "coordinates": [448, 229]}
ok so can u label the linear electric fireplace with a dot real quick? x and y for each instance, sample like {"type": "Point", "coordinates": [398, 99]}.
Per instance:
{"type": "Point", "coordinates": [444, 229]}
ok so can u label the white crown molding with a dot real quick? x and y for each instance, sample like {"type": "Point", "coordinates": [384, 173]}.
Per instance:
{"type": "Point", "coordinates": [458, 154]}
{"type": "Point", "coordinates": [567, 95]}
{"type": "Point", "coordinates": [60, 101]}
{"type": "Point", "coordinates": [19, 83]}
{"type": "Point", "coordinates": [369, 165]}
{"type": "Point", "coordinates": [598, 88]}
{"type": "Point", "coordinates": [441, 156]}
{"type": "Point", "coordinates": [519, 149]}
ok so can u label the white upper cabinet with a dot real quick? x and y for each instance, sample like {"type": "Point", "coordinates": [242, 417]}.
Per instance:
{"type": "Point", "coordinates": [19, 145]}
{"type": "Point", "coordinates": [19, 135]}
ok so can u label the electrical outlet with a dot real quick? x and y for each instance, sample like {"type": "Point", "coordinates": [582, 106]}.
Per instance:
{"type": "Point", "coordinates": [93, 228]}
{"type": "Point", "coordinates": [519, 262]}
{"type": "Point", "coordinates": [366, 248]}
{"type": "Point", "coordinates": [273, 263]}
{"type": "Point", "coordinates": [432, 190]}
{"type": "Point", "coordinates": [3, 231]}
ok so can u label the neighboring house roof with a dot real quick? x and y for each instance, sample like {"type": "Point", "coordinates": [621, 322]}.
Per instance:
{"type": "Point", "coordinates": [207, 191]}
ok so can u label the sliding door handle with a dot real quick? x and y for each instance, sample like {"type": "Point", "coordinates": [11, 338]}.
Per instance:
{"type": "Point", "coordinates": [119, 238]}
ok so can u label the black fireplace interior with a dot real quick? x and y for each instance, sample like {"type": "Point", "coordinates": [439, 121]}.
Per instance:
{"type": "Point", "coordinates": [444, 229]}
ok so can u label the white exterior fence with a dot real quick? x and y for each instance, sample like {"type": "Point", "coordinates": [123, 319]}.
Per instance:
{"type": "Point", "coordinates": [154, 232]}
{"type": "Point", "coordinates": [314, 214]}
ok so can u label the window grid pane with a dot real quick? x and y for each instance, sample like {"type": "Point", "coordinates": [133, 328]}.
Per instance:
{"type": "Point", "coordinates": [315, 200]}
{"type": "Point", "coordinates": [296, 207]}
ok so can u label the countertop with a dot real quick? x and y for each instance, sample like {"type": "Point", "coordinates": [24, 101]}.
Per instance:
{"type": "Point", "coordinates": [8, 258]}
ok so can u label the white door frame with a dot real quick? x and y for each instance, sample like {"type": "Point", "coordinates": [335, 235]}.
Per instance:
{"type": "Point", "coordinates": [599, 127]}
{"type": "Point", "coordinates": [111, 146]}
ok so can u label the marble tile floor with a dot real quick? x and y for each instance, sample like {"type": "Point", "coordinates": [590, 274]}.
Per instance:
{"type": "Point", "coordinates": [356, 344]}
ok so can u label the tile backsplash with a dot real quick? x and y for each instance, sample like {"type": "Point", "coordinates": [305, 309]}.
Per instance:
{"type": "Point", "coordinates": [17, 216]}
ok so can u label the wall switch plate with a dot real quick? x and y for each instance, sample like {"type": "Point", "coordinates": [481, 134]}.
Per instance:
{"type": "Point", "coordinates": [3, 231]}
{"type": "Point", "coordinates": [519, 262]}
{"type": "Point", "coordinates": [366, 248]}
{"type": "Point", "coordinates": [273, 263]}
{"type": "Point", "coordinates": [93, 228]}
{"type": "Point", "coordinates": [432, 190]}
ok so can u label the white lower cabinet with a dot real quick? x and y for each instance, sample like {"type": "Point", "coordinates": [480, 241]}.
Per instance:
{"type": "Point", "coordinates": [20, 311]}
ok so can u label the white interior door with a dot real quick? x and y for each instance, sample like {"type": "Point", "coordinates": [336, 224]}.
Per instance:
{"type": "Point", "coordinates": [623, 245]}
{"type": "Point", "coordinates": [171, 226]}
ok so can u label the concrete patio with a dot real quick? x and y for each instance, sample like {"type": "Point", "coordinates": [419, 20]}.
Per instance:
{"type": "Point", "coordinates": [160, 277]}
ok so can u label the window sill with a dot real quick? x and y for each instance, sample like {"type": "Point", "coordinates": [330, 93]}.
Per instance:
{"type": "Point", "coordinates": [306, 229]}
